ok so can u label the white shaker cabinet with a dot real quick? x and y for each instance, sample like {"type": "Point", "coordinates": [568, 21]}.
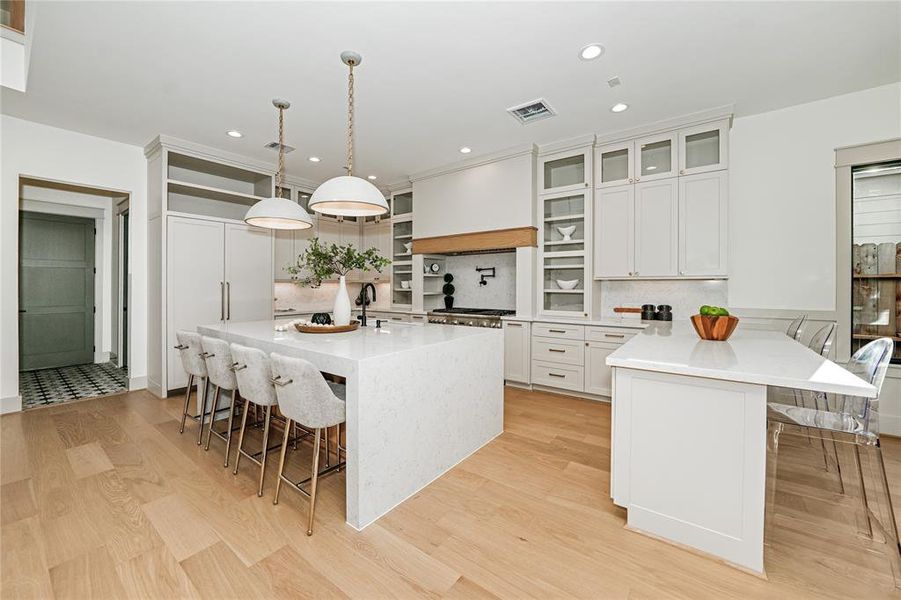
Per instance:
{"type": "Point", "coordinates": [657, 228]}
{"type": "Point", "coordinates": [287, 245]}
{"type": "Point", "coordinates": [703, 224]}
{"type": "Point", "coordinates": [614, 224]}
{"type": "Point", "coordinates": [248, 268]}
{"type": "Point", "coordinates": [216, 271]}
{"type": "Point", "coordinates": [517, 351]}
{"type": "Point", "coordinates": [598, 376]}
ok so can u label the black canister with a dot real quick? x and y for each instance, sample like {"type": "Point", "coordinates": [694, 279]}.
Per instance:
{"type": "Point", "coordinates": [647, 312]}
{"type": "Point", "coordinates": [664, 313]}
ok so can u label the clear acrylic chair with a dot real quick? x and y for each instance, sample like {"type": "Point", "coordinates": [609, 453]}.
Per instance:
{"type": "Point", "coordinates": [305, 397]}
{"type": "Point", "coordinates": [852, 423]}
{"type": "Point", "coordinates": [794, 328]}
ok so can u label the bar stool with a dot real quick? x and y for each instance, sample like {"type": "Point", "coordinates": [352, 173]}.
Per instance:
{"type": "Point", "coordinates": [794, 328]}
{"type": "Point", "coordinates": [221, 373]}
{"type": "Point", "coordinates": [852, 422]}
{"type": "Point", "coordinates": [254, 378]}
{"type": "Point", "coordinates": [189, 348]}
{"type": "Point", "coordinates": [305, 397]}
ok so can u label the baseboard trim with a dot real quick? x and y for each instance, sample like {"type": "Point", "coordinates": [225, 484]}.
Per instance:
{"type": "Point", "coordinates": [890, 424]}
{"type": "Point", "coordinates": [10, 404]}
{"type": "Point", "coordinates": [137, 383]}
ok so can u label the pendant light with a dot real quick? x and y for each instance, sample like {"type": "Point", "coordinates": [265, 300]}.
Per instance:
{"type": "Point", "coordinates": [349, 196]}
{"type": "Point", "coordinates": [276, 212]}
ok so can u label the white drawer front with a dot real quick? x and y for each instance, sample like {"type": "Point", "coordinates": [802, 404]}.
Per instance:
{"type": "Point", "coordinates": [398, 317]}
{"type": "Point", "coordinates": [613, 335]}
{"type": "Point", "coordinates": [552, 330]}
{"type": "Point", "coordinates": [568, 352]}
{"type": "Point", "coordinates": [559, 376]}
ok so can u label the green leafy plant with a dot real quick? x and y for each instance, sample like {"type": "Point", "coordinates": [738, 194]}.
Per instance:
{"type": "Point", "coordinates": [323, 261]}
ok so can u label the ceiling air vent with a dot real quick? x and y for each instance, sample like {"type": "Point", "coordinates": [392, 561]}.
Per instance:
{"type": "Point", "coordinates": [274, 146]}
{"type": "Point", "coordinates": [532, 111]}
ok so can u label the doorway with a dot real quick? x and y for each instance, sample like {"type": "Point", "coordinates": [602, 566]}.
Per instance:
{"type": "Point", "coordinates": [72, 273]}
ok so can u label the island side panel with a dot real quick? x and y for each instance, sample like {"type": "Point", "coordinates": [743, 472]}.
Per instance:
{"type": "Point", "coordinates": [691, 461]}
{"type": "Point", "coordinates": [419, 413]}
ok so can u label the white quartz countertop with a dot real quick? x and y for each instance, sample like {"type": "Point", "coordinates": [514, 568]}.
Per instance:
{"type": "Point", "coordinates": [355, 310]}
{"type": "Point", "coordinates": [749, 356]}
{"type": "Point", "coordinates": [629, 323]}
{"type": "Point", "coordinates": [365, 342]}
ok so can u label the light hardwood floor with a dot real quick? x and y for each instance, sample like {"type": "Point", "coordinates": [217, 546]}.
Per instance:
{"type": "Point", "coordinates": [103, 498]}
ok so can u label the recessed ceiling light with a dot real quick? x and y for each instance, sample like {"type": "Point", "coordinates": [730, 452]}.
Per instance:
{"type": "Point", "coordinates": [304, 196]}
{"type": "Point", "coordinates": [234, 133]}
{"type": "Point", "coordinates": [651, 168]}
{"type": "Point", "coordinates": [372, 177]}
{"type": "Point", "coordinates": [619, 107]}
{"type": "Point", "coordinates": [591, 51]}
{"type": "Point", "coordinates": [465, 150]}
{"type": "Point", "coordinates": [314, 159]}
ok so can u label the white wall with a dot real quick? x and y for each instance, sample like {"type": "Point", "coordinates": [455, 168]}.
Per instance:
{"type": "Point", "coordinates": [44, 152]}
{"type": "Point", "coordinates": [782, 196]}
{"type": "Point", "coordinates": [496, 195]}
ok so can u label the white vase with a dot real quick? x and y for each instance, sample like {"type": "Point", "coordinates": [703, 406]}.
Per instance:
{"type": "Point", "coordinates": [341, 310]}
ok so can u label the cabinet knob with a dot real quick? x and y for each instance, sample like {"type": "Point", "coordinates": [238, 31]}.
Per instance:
{"type": "Point", "coordinates": [630, 180]}
{"type": "Point", "coordinates": [636, 273]}
{"type": "Point", "coordinates": [681, 272]}
{"type": "Point", "coordinates": [638, 179]}
{"type": "Point", "coordinates": [630, 273]}
{"type": "Point", "coordinates": [681, 171]}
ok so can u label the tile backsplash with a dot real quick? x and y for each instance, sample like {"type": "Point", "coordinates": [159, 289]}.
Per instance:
{"type": "Point", "coordinates": [290, 295]}
{"type": "Point", "coordinates": [499, 292]}
{"type": "Point", "coordinates": [684, 296]}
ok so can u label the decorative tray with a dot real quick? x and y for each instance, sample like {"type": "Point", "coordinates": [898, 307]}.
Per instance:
{"type": "Point", "coordinates": [308, 328]}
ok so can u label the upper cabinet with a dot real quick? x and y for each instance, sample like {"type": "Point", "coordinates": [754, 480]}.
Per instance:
{"type": "Point", "coordinates": [656, 157]}
{"type": "Point", "coordinates": [660, 205]}
{"type": "Point", "coordinates": [402, 204]}
{"type": "Point", "coordinates": [565, 171]}
{"type": "Point", "coordinates": [615, 165]}
{"type": "Point", "coordinates": [704, 148]}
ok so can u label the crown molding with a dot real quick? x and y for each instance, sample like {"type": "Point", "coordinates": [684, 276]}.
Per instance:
{"type": "Point", "coordinates": [696, 118]}
{"type": "Point", "coordinates": [399, 186]}
{"type": "Point", "coordinates": [301, 182]}
{"type": "Point", "coordinates": [567, 144]}
{"type": "Point", "coordinates": [476, 161]}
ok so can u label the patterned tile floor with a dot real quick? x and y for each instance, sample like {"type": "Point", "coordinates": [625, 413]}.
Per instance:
{"type": "Point", "coordinates": [52, 386]}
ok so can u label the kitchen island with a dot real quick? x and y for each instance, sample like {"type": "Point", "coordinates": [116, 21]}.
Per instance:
{"type": "Point", "coordinates": [420, 398]}
{"type": "Point", "coordinates": [688, 456]}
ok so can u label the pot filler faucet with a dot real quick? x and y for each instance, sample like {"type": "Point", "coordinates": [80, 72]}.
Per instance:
{"type": "Point", "coordinates": [483, 276]}
{"type": "Point", "coordinates": [363, 300]}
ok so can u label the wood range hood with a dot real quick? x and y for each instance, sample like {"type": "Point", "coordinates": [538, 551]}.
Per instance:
{"type": "Point", "coordinates": [479, 241]}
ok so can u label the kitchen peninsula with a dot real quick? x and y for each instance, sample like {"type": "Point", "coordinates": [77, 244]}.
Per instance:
{"type": "Point", "coordinates": [420, 398]}
{"type": "Point", "coordinates": [688, 457]}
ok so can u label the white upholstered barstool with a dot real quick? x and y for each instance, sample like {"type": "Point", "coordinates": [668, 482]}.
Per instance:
{"type": "Point", "coordinates": [306, 398]}
{"type": "Point", "coordinates": [189, 348]}
{"type": "Point", "coordinates": [254, 377]}
{"type": "Point", "coordinates": [221, 373]}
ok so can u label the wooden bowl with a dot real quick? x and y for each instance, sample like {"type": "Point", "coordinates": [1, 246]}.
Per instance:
{"type": "Point", "coordinates": [717, 329]}
{"type": "Point", "coordinates": [327, 328]}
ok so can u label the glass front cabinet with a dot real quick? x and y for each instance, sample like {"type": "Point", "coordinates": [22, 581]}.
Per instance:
{"type": "Point", "coordinates": [876, 255]}
{"type": "Point", "coordinates": [565, 171]}
{"type": "Point", "coordinates": [564, 243]}
{"type": "Point", "coordinates": [704, 148]}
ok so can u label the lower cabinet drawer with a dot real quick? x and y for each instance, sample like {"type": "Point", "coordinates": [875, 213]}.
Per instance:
{"type": "Point", "coordinates": [568, 352]}
{"type": "Point", "coordinates": [553, 330]}
{"type": "Point", "coordinates": [566, 377]}
{"type": "Point", "coordinates": [609, 334]}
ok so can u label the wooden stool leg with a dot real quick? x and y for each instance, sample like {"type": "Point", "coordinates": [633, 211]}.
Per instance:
{"type": "Point", "coordinates": [231, 419]}
{"type": "Point", "coordinates": [241, 435]}
{"type": "Point", "coordinates": [281, 461]}
{"type": "Point", "coordinates": [213, 407]}
{"type": "Point", "coordinates": [184, 413]}
{"type": "Point", "coordinates": [314, 480]}
{"type": "Point", "coordinates": [265, 449]}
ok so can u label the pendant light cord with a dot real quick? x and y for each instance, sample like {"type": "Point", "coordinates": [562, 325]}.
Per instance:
{"type": "Point", "coordinates": [350, 120]}
{"type": "Point", "coordinates": [281, 148]}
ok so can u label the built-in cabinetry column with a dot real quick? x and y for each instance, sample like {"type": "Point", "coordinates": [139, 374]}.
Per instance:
{"type": "Point", "coordinates": [517, 351]}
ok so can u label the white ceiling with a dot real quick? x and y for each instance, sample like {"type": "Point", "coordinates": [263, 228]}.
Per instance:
{"type": "Point", "coordinates": [435, 76]}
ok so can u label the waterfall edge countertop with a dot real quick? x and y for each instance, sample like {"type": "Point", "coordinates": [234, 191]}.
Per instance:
{"type": "Point", "coordinates": [420, 398]}
{"type": "Point", "coordinates": [749, 356]}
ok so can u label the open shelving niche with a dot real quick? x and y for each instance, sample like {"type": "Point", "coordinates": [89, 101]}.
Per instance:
{"type": "Point", "coordinates": [203, 187]}
{"type": "Point", "coordinates": [564, 258]}
{"type": "Point", "coordinates": [432, 282]}
{"type": "Point", "coordinates": [402, 256]}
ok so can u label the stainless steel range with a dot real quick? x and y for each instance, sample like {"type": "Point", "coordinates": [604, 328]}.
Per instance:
{"type": "Point", "coordinates": [471, 317]}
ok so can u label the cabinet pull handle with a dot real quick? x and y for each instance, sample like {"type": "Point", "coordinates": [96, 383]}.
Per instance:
{"type": "Point", "coordinates": [514, 324]}
{"type": "Point", "coordinates": [556, 375]}
{"type": "Point", "coordinates": [555, 350]}
{"type": "Point", "coordinates": [614, 335]}
{"type": "Point", "coordinates": [557, 330]}
{"type": "Point", "coordinates": [181, 347]}
{"type": "Point", "coordinates": [228, 297]}
{"type": "Point", "coordinates": [221, 300]}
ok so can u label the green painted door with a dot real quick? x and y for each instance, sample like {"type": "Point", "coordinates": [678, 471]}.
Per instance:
{"type": "Point", "coordinates": [56, 291]}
